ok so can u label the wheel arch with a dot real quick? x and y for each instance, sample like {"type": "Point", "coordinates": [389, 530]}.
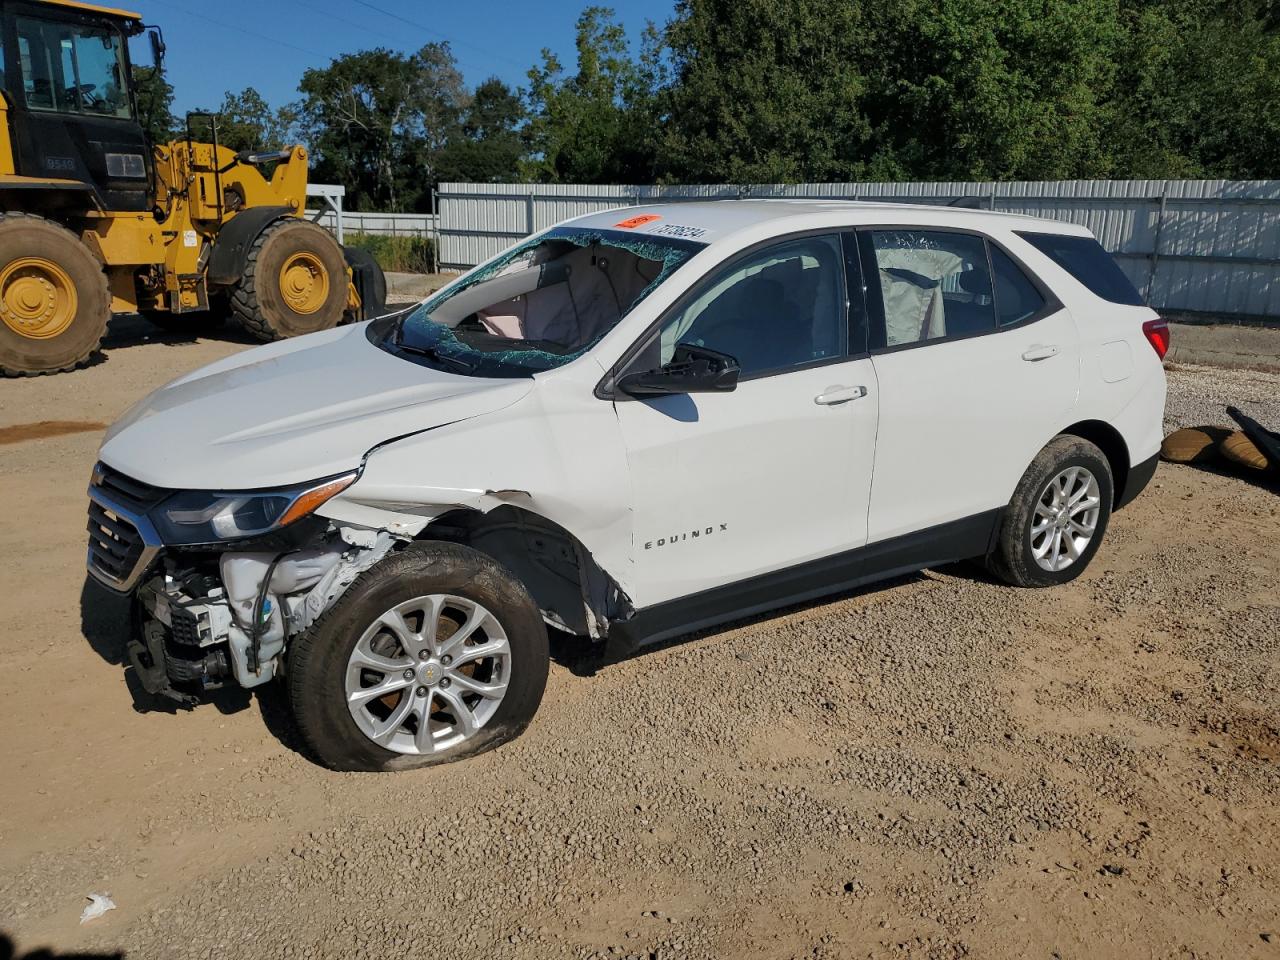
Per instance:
{"type": "Point", "coordinates": [569, 586]}
{"type": "Point", "coordinates": [1113, 446]}
{"type": "Point", "coordinates": [230, 252]}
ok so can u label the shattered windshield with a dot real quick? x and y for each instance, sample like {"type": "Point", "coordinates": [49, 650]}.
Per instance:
{"type": "Point", "coordinates": [538, 306]}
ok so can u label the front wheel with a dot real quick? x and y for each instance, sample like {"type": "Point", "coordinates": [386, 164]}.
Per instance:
{"type": "Point", "coordinates": [435, 654]}
{"type": "Point", "coordinates": [1057, 517]}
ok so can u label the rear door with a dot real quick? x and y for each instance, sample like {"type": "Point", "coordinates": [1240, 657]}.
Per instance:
{"type": "Point", "coordinates": [978, 367]}
{"type": "Point", "coordinates": [729, 486]}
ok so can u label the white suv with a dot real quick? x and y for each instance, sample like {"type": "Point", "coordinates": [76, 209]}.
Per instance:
{"type": "Point", "coordinates": [628, 426]}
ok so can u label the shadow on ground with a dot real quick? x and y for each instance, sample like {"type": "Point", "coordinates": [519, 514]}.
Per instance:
{"type": "Point", "coordinates": [9, 951]}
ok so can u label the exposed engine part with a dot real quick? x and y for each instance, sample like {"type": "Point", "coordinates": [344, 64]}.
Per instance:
{"type": "Point", "coordinates": [205, 623]}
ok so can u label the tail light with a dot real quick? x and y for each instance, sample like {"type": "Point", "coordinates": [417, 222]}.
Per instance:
{"type": "Point", "coordinates": [1157, 334]}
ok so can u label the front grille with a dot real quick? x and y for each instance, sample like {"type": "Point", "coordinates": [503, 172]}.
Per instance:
{"type": "Point", "coordinates": [122, 543]}
{"type": "Point", "coordinates": [131, 494]}
{"type": "Point", "coordinates": [115, 545]}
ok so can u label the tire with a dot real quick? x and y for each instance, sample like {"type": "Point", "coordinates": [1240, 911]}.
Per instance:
{"type": "Point", "coordinates": [1014, 559]}
{"type": "Point", "coordinates": [269, 305]}
{"type": "Point", "coordinates": [54, 300]}
{"type": "Point", "coordinates": [323, 666]}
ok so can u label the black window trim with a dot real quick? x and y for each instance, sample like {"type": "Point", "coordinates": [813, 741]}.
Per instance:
{"type": "Point", "coordinates": [843, 233]}
{"type": "Point", "coordinates": [877, 333]}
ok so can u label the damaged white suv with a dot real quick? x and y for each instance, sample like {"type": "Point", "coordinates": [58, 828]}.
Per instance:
{"type": "Point", "coordinates": [628, 426]}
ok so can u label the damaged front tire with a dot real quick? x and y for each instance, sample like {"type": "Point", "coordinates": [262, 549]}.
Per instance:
{"type": "Point", "coordinates": [434, 654]}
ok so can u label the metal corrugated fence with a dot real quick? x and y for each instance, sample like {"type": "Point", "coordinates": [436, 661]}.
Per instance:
{"type": "Point", "coordinates": [1210, 246]}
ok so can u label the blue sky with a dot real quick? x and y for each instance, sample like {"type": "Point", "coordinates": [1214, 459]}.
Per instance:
{"type": "Point", "coordinates": [268, 43]}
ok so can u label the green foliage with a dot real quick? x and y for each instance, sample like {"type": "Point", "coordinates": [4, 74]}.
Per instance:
{"type": "Point", "coordinates": [761, 91]}
{"type": "Point", "coordinates": [489, 147]}
{"type": "Point", "coordinates": [592, 126]}
{"type": "Point", "coordinates": [408, 254]}
{"type": "Point", "coordinates": [155, 103]}
{"type": "Point", "coordinates": [378, 121]}
{"type": "Point", "coordinates": [247, 122]}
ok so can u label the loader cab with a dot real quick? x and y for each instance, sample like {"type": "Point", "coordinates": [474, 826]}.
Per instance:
{"type": "Point", "coordinates": [70, 97]}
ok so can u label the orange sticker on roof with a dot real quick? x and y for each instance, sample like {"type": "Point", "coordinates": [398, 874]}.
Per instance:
{"type": "Point", "coordinates": [638, 221]}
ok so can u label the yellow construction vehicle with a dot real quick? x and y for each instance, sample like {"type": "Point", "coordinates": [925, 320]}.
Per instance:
{"type": "Point", "coordinates": [95, 220]}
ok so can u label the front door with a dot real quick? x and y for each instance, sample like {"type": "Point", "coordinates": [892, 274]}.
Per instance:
{"type": "Point", "coordinates": [729, 486]}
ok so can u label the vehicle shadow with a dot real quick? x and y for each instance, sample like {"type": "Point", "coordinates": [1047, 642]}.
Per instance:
{"type": "Point", "coordinates": [9, 951]}
{"type": "Point", "coordinates": [107, 623]}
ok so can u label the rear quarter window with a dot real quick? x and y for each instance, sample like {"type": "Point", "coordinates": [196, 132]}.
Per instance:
{"type": "Point", "coordinates": [1084, 259]}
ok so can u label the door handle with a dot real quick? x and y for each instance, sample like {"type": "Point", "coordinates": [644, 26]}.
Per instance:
{"type": "Point", "coordinates": [833, 395]}
{"type": "Point", "coordinates": [1041, 351]}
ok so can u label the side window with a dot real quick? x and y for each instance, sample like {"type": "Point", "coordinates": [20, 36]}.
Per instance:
{"type": "Point", "coordinates": [932, 285]}
{"type": "Point", "coordinates": [1016, 296]}
{"type": "Point", "coordinates": [1084, 259]}
{"type": "Point", "coordinates": [778, 308]}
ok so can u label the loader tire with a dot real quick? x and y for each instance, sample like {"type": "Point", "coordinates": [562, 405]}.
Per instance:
{"type": "Point", "coordinates": [54, 300]}
{"type": "Point", "coordinates": [294, 282]}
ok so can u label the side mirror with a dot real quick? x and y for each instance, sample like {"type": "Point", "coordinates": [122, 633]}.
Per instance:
{"type": "Point", "coordinates": [157, 46]}
{"type": "Point", "coordinates": [692, 369]}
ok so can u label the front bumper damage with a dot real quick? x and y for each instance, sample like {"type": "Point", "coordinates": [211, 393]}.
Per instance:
{"type": "Point", "coordinates": [202, 618]}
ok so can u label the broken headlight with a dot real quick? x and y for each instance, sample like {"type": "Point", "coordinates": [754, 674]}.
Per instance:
{"type": "Point", "coordinates": [196, 517]}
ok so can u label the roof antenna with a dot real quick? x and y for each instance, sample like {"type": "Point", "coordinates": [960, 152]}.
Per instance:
{"type": "Point", "coordinates": [968, 203]}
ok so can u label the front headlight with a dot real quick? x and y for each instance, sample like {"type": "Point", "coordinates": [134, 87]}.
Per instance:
{"type": "Point", "coordinates": [197, 517]}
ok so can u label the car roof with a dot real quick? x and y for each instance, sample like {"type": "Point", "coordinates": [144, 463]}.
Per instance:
{"type": "Point", "coordinates": [713, 220]}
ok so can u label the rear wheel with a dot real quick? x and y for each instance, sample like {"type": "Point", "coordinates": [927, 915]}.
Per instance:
{"type": "Point", "coordinates": [54, 300]}
{"type": "Point", "coordinates": [433, 655]}
{"type": "Point", "coordinates": [295, 282]}
{"type": "Point", "coordinates": [1056, 520]}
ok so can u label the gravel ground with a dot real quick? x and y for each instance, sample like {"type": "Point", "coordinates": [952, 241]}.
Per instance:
{"type": "Point", "coordinates": [1199, 396]}
{"type": "Point", "coordinates": [939, 767]}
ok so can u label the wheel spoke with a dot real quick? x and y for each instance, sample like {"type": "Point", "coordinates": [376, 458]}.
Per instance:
{"type": "Point", "coordinates": [1081, 506]}
{"type": "Point", "coordinates": [385, 732]}
{"type": "Point", "coordinates": [1068, 541]}
{"type": "Point", "coordinates": [462, 715]}
{"type": "Point", "coordinates": [475, 620]}
{"type": "Point", "coordinates": [1055, 551]}
{"type": "Point", "coordinates": [489, 691]}
{"type": "Point", "coordinates": [394, 621]}
{"type": "Point", "coordinates": [1081, 529]}
{"type": "Point", "coordinates": [363, 657]}
{"type": "Point", "coordinates": [390, 684]}
{"type": "Point", "coordinates": [480, 651]}
{"type": "Point", "coordinates": [423, 739]}
{"type": "Point", "coordinates": [1044, 510]}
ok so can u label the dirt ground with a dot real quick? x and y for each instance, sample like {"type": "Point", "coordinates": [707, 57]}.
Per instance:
{"type": "Point", "coordinates": [939, 767]}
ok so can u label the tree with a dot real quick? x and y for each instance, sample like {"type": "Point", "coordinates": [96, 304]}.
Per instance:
{"type": "Point", "coordinates": [378, 121]}
{"type": "Point", "coordinates": [487, 148]}
{"type": "Point", "coordinates": [1197, 91]}
{"type": "Point", "coordinates": [155, 103]}
{"type": "Point", "coordinates": [765, 91]}
{"type": "Point", "coordinates": [990, 89]}
{"type": "Point", "coordinates": [582, 126]}
{"type": "Point", "coordinates": [247, 122]}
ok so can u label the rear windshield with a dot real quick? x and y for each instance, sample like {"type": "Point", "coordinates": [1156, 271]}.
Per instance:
{"type": "Point", "coordinates": [538, 306]}
{"type": "Point", "coordinates": [1084, 259]}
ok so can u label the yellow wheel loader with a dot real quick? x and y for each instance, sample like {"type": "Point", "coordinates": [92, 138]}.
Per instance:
{"type": "Point", "coordinates": [95, 220]}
